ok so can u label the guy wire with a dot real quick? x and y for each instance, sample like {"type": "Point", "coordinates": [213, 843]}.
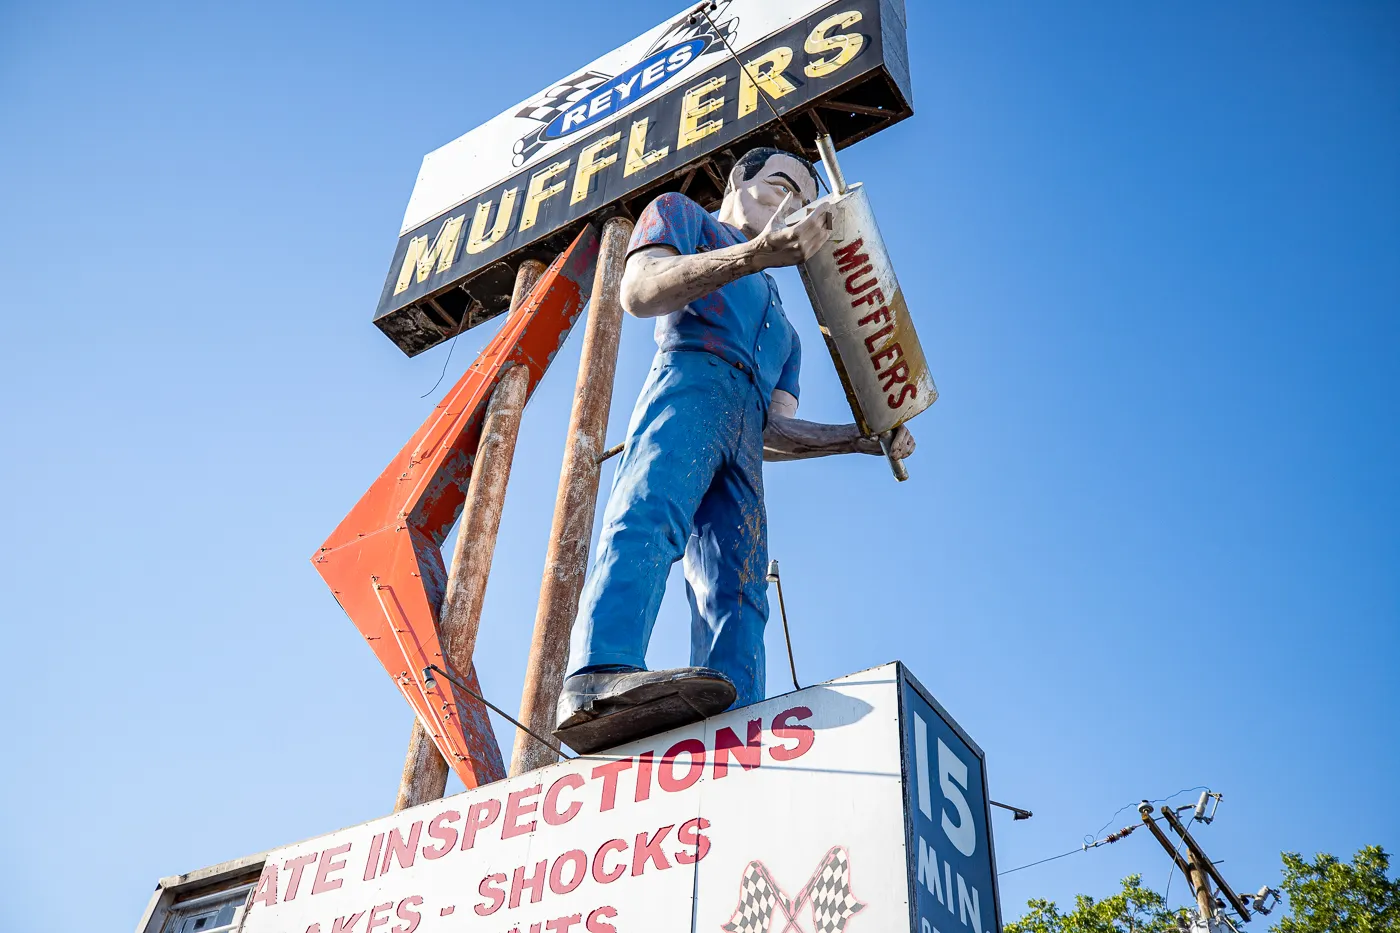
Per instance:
{"type": "Point", "coordinates": [704, 10]}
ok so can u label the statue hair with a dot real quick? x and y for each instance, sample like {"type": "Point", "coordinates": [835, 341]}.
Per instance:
{"type": "Point", "coordinates": [751, 163]}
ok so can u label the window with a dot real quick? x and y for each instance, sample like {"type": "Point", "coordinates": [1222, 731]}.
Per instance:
{"type": "Point", "coordinates": [213, 913]}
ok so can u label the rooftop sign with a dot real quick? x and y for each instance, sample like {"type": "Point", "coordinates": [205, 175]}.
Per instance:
{"type": "Point", "coordinates": [857, 804]}
{"type": "Point", "coordinates": [669, 110]}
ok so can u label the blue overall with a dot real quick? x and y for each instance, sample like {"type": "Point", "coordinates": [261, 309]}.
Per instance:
{"type": "Point", "coordinates": [690, 481]}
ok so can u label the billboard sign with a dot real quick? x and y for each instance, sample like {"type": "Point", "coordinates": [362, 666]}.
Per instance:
{"type": "Point", "coordinates": [623, 125]}
{"type": "Point", "coordinates": [951, 861]}
{"type": "Point", "coordinates": [791, 814]}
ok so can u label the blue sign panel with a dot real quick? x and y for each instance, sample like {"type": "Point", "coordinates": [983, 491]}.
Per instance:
{"type": "Point", "coordinates": [952, 866]}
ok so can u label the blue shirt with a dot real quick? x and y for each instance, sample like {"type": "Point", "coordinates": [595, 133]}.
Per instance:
{"type": "Point", "coordinates": [742, 323]}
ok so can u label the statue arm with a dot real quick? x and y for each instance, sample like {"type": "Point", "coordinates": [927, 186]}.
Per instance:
{"type": "Point", "coordinates": [659, 279]}
{"type": "Point", "coordinates": [788, 437]}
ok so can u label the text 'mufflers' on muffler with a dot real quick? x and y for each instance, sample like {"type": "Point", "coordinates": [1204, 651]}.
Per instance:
{"type": "Point", "coordinates": [862, 314]}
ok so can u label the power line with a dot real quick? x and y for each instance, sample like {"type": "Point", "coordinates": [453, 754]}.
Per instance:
{"type": "Point", "coordinates": [1042, 861]}
{"type": "Point", "coordinates": [1135, 805]}
{"type": "Point", "coordinates": [1093, 842]}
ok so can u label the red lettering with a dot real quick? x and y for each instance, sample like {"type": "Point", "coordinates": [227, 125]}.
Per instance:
{"type": "Point", "coordinates": [689, 835]}
{"type": "Point", "coordinates": [439, 830]}
{"type": "Point", "coordinates": [373, 914]}
{"type": "Point", "coordinates": [295, 866]}
{"type": "Point", "coordinates": [849, 256]}
{"type": "Point", "coordinates": [727, 743]}
{"type": "Point", "coordinates": [266, 892]}
{"type": "Point", "coordinates": [894, 401]}
{"type": "Point", "coordinates": [563, 923]}
{"type": "Point", "coordinates": [874, 298]}
{"type": "Point", "coordinates": [643, 776]}
{"type": "Point", "coordinates": [598, 920]}
{"type": "Point", "coordinates": [783, 728]}
{"type": "Point", "coordinates": [489, 888]}
{"type": "Point", "coordinates": [372, 863]}
{"type": "Point", "coordinates": [666, 774]}
{"type": "Point", "coordinates": [891, 350]}
{"type": "Point", "coordinates": [856, 290]}
{"type": "Point", "coordinates": [552, 814]}
{"type": "Point", "coordinates": [603, 875]}
{"type": "Point", "coordinates": [330, 863]}
{"type": "Point", "coordinates": [644, 851]}
{"type": "Point", "coordinates": [342, 925]}
{"type": "Point", "coordinates": [871, 340]}
{"type": "Point", "coordinates": [609, 773]}
{"type": "Point", "coordinates": [515, 809]}
{"type": "Point", "coordinates": [404, 850]}
{"type": "Point", "coordinates": [879, 314]}
{"type": "Point", "coordinates": [314, 928]}
{"type": "Point", "coordinates": [479, 816]}
{"type": "Point", "coordinates": [406, 913]}
{"type": "Point", "coordinates": [535, 882]}
{"type": "Point", "coordinates": [576, 857]}
{"type": "Point", "coordinates": [899, 372]}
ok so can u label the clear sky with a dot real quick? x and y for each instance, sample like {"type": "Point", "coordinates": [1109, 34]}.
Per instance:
{"type": "Point", "coordinates": [1150, 539]}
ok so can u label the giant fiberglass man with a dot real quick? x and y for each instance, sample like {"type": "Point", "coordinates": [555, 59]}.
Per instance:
{"type": "Point", "coordinates": [720, 399]}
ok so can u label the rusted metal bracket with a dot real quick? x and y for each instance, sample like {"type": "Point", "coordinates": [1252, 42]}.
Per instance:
{"type": "Point", "coordinates": [384, 561]}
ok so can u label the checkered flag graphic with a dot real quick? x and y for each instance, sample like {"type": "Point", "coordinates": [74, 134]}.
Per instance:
{"type": "Point", "coordinates": [562, 96]}
{"type": "Point", "coordinates": [829, 890]}
{"type": "Point", "coordinates": [758, 895]}
{"type": "Point", "coordinates": [544, 109]}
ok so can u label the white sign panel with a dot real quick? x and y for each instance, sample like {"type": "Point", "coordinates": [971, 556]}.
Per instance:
{"type": "Point", "coordinates": [598, 94]}
{"type": "Point", "coordinates": [787, 815]}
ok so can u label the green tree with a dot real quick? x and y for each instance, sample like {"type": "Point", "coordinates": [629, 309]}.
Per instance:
{"type": "Point", "coordinates": [1328, 895]}
{"type": "Point", "coordinates": [1135, 909]}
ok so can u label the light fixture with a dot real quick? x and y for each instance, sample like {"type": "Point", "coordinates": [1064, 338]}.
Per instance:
{"type": "Point", "coordinates": [429, 682]}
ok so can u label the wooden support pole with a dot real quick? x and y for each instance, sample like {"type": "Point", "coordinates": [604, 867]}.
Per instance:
{"type": "Point", "coordinates": [425, 770]}
{"type": "Point", "coordinates": [566, 561]}
{"type": "Point", "coordinates": [1205, 902]}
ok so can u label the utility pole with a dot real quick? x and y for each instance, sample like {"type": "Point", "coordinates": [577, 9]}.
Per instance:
{"type": "Point", "coordinates": [1200, 871]}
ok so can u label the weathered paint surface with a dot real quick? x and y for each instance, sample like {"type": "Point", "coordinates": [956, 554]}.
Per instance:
{"type": "Point", "coordinates": [384, 561]}
{"type": "Point", "coordinates": [865, 320]}
{"type": "Point", "coordinates": [567, 559]}
{"type": "Point", "coordinates": [424, 770]}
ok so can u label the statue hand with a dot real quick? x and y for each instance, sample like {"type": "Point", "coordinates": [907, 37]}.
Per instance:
{"type": "Point", "coordinates": [781, 245]}
{"type": "Point", "coordinates": [901, 446]}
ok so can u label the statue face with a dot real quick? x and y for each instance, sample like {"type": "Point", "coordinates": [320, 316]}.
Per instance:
{"type": "Point", "coordinates": [753, 202]}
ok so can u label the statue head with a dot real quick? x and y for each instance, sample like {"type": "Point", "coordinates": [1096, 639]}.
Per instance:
{"type": "Point", "coordinates": [759, 182]}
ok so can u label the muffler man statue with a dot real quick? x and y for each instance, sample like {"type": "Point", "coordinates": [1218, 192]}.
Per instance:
{"type": "Point", "coordinates": [720, 399]}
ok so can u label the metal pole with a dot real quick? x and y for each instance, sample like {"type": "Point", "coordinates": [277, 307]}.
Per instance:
{"type": "Point", "coordinates": [775, 577]}
{"type": "Point", "coordinates": [424, 770]}
{"type": "Point", "coordinates": [566, 561]}
{"type": "Point", "coordinates": [827, 149]}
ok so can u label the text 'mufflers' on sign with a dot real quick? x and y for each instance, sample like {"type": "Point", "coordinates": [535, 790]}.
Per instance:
{"type": "Point", "coordinates": [668, 111]}
{"type": "Point", "coordinates": [856, 806]}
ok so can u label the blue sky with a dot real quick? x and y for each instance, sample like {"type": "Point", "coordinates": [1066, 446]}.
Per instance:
{"type": "Point", "coordinates": [1150, 540]}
